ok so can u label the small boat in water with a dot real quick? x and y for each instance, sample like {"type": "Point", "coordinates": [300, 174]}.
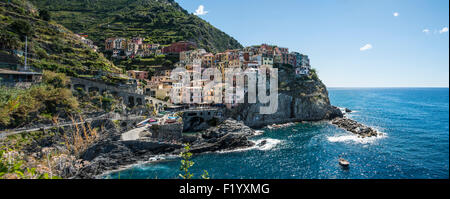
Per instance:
{"type": "Point", "coordinates": [343, 162]}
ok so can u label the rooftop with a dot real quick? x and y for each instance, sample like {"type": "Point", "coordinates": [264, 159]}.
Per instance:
{"type": "Point", "coordinates": [13, 72]}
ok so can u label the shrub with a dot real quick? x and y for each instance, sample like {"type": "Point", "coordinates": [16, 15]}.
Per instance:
{"type": "Point", "coordinates": [20, 106]}
{"type": "Point", "coordinates": [186, 163]}
{"type": "Point", "coordinates": [58, 80]}
{"type": "Point", "coordinates": [12, 166]}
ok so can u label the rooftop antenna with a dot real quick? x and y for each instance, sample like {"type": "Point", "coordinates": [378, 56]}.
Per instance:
{"type": "Point", "coordinates": [26, 52]}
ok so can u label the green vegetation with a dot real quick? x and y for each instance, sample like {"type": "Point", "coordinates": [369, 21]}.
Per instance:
{"type": "Point", "coordinates": [205, 175]}
{"type": "Point", "coordinates": [187, 163]}
{"type": "Point", "coordinates": [313, 74]}
{"type": "Point", "coordinates": [158, 21]}
{"type": "Point", "coordinates": [50, 45]}
{"type": "Point", "coordinates": [12, 166]}
{"type": "Point", "coordinates": [94, 101]}
{"type": "Point", "coordinates": [49, 154]}
{"type": "Point", "coordinates": [150, 64]}
{"type": "Point", "coordinates": [43, 102]}
{"type": "Point", "coordinates": [45, 15]}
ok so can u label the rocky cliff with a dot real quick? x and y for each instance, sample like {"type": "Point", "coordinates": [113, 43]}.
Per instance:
{"type": "Point", "coordinates": [299, 99]}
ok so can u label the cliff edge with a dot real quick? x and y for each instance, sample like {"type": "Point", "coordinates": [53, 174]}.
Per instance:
{"type": "Point", "coordinates": [300, 98]}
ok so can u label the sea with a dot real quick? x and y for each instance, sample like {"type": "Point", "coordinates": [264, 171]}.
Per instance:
{"type": "Point", "coordinates": [414, 144]}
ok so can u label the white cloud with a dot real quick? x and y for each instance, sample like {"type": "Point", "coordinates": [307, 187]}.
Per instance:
{"type": "Point", "coordinates": [201, 10]}
{"type": "Point", "coordinates": [366, 47]}
{"type": "Point", "coordinates": [396, 14]}
{"type": "Point", "coordinates": [426, 30]}
{"type": "Point", "coordinates": [444, 30]}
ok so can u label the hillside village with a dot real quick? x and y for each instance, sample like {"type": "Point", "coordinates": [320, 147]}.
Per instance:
{"type": "Point", "coordinates": [160, 84]}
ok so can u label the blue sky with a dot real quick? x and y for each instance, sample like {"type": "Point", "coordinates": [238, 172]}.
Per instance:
{"type": "Point", "coordinates": [408, 49]}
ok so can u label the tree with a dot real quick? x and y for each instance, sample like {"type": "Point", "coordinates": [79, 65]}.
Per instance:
{"type": "Point", "coordinates": [45, 15]}
{"type": "Point", "coordinates": [22, 28]}
{"type": "Point", "coordinates": [9, 40]}
{"type": "Point", "coordinates": [167, 63]}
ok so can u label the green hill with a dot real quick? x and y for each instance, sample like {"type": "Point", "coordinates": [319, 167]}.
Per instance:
{"type": "Point", "coordinates": [158, 21]}
{"type": "Point", "coordinates": [50, 45]}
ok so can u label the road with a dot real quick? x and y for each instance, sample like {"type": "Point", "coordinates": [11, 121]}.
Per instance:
{"type": "Point", "coordinates": [133, 134]}
{"type": "Point", "coordinates": [4, 134]}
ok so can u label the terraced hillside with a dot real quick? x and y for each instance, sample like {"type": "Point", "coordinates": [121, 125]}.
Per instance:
{"type": "Point", "coordinates": [158, 21]}
{"type": "Point", "coordinates": [51, 46]}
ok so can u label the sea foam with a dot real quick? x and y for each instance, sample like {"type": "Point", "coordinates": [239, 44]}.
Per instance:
{"type": "Point", "coordinates": [356, 138]}
{"type": "Point", "coordinates": [270, 144]}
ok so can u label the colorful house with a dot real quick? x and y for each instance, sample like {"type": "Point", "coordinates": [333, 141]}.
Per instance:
{"type": "Point", "coordinates": [179, 47]}
{"type": "Point", "coordinates": [142, 75]}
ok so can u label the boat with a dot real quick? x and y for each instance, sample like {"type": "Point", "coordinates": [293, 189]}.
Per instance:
{"type": "Point", "coordinates": [343, 162]}
{"type": "Point", "coordinates": [143, 123]}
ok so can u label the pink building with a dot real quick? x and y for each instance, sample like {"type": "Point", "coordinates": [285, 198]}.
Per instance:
{"type": "Point", "coordinates": [179, 47]}
{"type": "Point", "coordinates": [138, 74]}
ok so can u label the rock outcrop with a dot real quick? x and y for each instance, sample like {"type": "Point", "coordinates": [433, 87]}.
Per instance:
{"type": "Point", "coordinates": [111, 153]}
{"type": "Point", "coordinates": [229, 135]}
{"type": "Point", "coordinates": [354, 127]}
{"type": "Point", "coordinates": [299, 99]}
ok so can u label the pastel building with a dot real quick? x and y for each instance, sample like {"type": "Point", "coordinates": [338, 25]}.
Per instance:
{"type": "Point", "coordinates": [115, 43]}
{"type": "Point", "coordinates": [142, 75]}
{"type": "Point", "coordinates": [179, 47]}
{"type": "Point", "coordinates": [208, 60]}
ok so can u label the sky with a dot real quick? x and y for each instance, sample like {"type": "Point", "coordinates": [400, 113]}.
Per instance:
{"type": "Point", "coordinates": [351, 43]}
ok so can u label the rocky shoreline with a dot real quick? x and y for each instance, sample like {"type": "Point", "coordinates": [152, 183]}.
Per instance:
{"type": "Point", "coordinates": [350, 125]}
{"type": "Point", "coordinates": [112, 154]}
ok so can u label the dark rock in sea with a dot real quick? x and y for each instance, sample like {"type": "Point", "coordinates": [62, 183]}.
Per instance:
{"type": "Point", "coordinates": [262, 143]}
{"type": "Point", "coordinates": [354, 127]}
{"type": "Point", "coordinates": [348, 110]}
{"type": "Point", "coordinates": [228, 142]}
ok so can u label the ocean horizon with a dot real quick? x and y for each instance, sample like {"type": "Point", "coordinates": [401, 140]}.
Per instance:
{"type": "Point", "coordinates": [414, 144]}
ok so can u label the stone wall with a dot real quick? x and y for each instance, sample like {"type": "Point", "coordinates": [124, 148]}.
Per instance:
{"type": "Point", "coordinates": [128, 93]}
{"type": "Point", "coordinates": [201, 119]}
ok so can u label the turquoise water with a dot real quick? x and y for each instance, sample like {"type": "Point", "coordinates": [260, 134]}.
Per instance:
{"type": "Point", "coordinates": [415, 123]}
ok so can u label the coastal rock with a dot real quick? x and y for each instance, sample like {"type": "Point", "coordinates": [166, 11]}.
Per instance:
{"type": "Point", "coordinates": [111, 153]}
{"type": "Point", "coordinates": [228, 126]}
{"type": "Point", "coordinates": [228, 142]}
{"type": "Point", "coordinates": [229, 135]}
{"type": "Point", "coordinates": [304, 101]}
{"type": "Point", "coordinates": [348, 110]}
{"type": "Point", "coordinates": [354, 127]}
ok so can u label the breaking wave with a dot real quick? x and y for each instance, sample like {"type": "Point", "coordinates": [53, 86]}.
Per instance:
{"type": "Point", "coordinates": [270, 144]}
{"type": "Point", "coordinates": [356, 138]}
